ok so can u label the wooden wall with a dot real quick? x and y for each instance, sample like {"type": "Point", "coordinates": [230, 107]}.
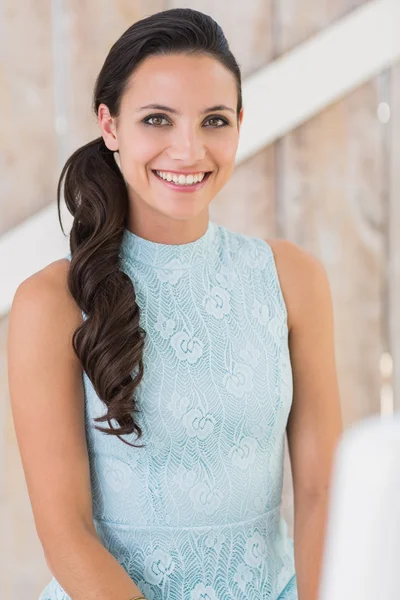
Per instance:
{"type": "Point", "coordinates": [392, 314]}
{"type": "Point", "coordinates": [330, 186]}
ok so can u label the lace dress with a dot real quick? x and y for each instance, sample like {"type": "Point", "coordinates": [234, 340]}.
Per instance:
{"type": "Point", "coordinates": [195, 515]}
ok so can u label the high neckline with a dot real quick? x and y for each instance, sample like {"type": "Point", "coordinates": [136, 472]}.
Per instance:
{"type": "Point", "coordinates": [135, 249]}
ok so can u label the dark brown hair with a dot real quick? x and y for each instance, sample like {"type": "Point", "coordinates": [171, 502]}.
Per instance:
{"type": "Point", "coordinates": [109, 343]}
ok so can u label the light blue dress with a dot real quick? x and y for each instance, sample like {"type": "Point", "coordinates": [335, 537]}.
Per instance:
{"type": "Point", "coordinates": [195, 515]}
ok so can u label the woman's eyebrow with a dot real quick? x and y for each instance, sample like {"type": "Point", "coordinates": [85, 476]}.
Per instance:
{"type": "Point", "coordinates": [176, 112]}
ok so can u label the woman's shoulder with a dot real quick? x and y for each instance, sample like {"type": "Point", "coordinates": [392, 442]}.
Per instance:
{"type": "Point", "coordinates": [50, 282]}
{"type": "Point", "coordinates": [46, 292]}
{"type": "Point", "coordinates": [300, 274]}
{"type": "Point", "coordinates": [55, 272]}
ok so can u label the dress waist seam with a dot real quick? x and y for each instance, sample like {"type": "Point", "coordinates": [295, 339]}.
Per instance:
{"type": "Point", "coordinates": [188, 527]}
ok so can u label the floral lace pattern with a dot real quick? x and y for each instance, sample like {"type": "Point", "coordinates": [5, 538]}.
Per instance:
{"type": "Point", "coordinates": [196, 513]}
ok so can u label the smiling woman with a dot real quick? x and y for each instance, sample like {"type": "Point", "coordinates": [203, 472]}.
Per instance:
{"type": "Point", "coordinates": [172, 330]}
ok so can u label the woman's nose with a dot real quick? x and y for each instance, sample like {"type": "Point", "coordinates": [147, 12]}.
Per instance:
{"type": "Point", "coordinates": [188, 147]}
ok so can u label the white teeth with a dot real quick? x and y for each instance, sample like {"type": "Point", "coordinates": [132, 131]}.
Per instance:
{"type": "Point", "coordinates": [181, 179]}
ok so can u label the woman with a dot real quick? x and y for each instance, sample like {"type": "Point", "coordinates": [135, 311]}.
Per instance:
{"type": "Point", "coordinates": [186, 341]}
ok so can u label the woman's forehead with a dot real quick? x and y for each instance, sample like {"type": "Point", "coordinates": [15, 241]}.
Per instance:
{"type": "Point", "coordinates": [170, 80]}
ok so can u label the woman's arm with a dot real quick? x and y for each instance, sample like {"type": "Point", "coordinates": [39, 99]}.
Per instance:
{"type": "Point", "coordinates": [86, 569]}
{"type": "Point", "coordinates": [315, 421]}
{"type": "Point", "coordinates": [47, 402]}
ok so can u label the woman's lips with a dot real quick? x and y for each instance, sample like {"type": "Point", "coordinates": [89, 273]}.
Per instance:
{"type": "Point", "coordinates": [184, 188]}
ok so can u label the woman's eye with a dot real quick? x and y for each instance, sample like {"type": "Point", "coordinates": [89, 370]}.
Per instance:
{"type": "Point", "coordinates": [219, 119]}
{"type": "Point", "coordinates": [159, 118]}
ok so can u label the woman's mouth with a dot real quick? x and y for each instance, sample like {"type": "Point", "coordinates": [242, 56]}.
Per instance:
{"type": "Point", "coordinates": [184, 187]}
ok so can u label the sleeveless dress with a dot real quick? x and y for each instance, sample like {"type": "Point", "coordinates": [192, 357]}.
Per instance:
{"type": "Point", "coordinates": [195, 515]}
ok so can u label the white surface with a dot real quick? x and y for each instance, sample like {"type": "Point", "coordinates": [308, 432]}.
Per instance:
{"type": "Point", "coordinates": [362, 554]}
{"type": "Point", "coordinates": [27, 248]}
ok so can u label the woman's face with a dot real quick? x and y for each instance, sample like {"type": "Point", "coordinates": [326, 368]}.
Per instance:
{"type": "Point", "coordinates": [179, 138]}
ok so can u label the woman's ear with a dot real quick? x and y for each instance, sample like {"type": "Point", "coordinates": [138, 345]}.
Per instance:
{"type": "Point", "coordinates": [108, 129]}
{"type": "Point", "coordinates": [240, 118]}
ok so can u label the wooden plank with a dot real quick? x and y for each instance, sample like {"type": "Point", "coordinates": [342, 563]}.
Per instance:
{"type": "Point", "coordinates": [298, 21]}
{"type": "Point", "coordinates": [27, 140]}
{"type": "Point", "coordinates": [331, 204]}
{"type": "Point", "coordinates": [394, 234]}
{"type": "Point", "coordinates": [331, 185]}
